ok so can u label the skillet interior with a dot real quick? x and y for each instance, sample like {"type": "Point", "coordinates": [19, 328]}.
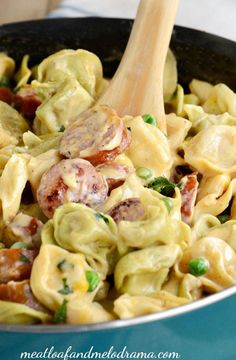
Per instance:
{"type": "Point", "coordinates": [200, 55]}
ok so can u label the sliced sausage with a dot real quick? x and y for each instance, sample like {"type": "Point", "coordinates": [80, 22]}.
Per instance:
{"type": "Point", "coordinates": [23, 228]}
{"type": "Point", "coordinates": [16, 264]}
{"type": "Point", "coordinates": [19, 292]}
{"type": "Point", "coordinates": [127, 210]}
{"type": "Point", "coordinates": [6, 95]}
{"type": "Point", "coordinates": [27, 102]}
{"type": "Point", "coordinates": [108, 155]}
{"type": "Point", "coordinates": [71, 180]}
{"type": "Point", "coordinates": [115, 174]}
{"type": "Point", "coordinates": [98, 135]}
{"type": "Point", "coordinates": [189, 187]}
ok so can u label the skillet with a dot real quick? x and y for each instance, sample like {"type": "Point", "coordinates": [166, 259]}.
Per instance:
{"type": "Point", "coordinates": [205, 329]}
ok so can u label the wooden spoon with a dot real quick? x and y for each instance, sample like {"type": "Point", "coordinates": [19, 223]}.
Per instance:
{"type": "Point", "coordinates": [137, 86]}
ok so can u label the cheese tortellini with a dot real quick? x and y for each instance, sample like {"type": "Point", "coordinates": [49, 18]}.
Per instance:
{"type": "Point", "coordinates": [58, 274]}
{"type": "Point", "coordinates": [222, 262]}
{"type": "Point", "coordinates": [212, 150]}
{"type": "Point", "coordinates": [64, 106]}
{"type": "Point", "coordinates": [153, 141]}
{"type": "Point", "coordinates": [12, 125]}
{"type": "Point", "coordinates": [127, 306]}
{"type": "Point", "coordinates": [80, 229]}
{"type": "Point", "coordinates": [11, 187]}
{"type": "Point", "coordinates": [7, 66]}
{"type": "Point", "coordinates": [24, 73]}
{"type": "Point", "coordinates": [143, 272]}
{"type": "Point", "coordinates": [161, 223]}
{"type": "Point", "coordinates": [13, 313]}
{"type": "Point", "coordinates": [80, 64]}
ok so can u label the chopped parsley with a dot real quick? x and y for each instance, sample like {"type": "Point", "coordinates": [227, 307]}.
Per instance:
{"type": "Point", "coordinates": [66, 288]}
{"type": "Point", "coordinates": [62, 129]}
{"type": "Point", "coordinates": [93, 280]}
{"type": "Point", "coordinates": [163, 186]}
{"type": "Point", "coordinates": [24, 259]}
{"type": "Point", "coordinates": [100, 216]}
{"type": "Point", "coordinates": [223, 218]}
{"type": "Point", "coordinates": [61, 265]}
{"type": "Point", "coordinates": [5, 82]}
{"type": "Point", "coordinates": [64, 265]}
{"type": "Point", "coordinates": [61, 313]}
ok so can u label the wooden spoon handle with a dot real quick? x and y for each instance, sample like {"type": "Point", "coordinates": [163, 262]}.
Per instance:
{"type": "Point", "coordinates": [137, 86]}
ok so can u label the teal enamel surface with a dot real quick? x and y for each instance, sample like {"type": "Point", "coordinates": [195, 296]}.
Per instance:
{"type": "Point", "coordinates": [208, 333]}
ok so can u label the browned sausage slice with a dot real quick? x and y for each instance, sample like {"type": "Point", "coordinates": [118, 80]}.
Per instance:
{"type": "Point", "coordinates": [23, 228]}
{"type": "Point", "coordinates": [15, 264]}
{"type": "Point", "coordinates": [189, 187]}
{"type": "Point", "coordinates": [98, 135]}
{"type": "Point", "coordinates": [6, 95]}
{"type": "Point", "coordinates": [114, 173]}
{"type": "Point", "coordinates": [71, 180]}
{"type": "Point", "coordinates": [108, 155]}
{"type": "Point", "coordinates": [27, 101]}
{"type": "Point", "coordinates": [19, 292]}
{"type": "Point", "coordinates": [127, 210]}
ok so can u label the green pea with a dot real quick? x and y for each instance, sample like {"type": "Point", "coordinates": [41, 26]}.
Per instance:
{"type": "Point", "coordinates": [20, 245]}
{"type": "Point", "coordinates": [144, 173]}
{"type": "Point", "coordinates": [93, 280]}
{"type": "Point", "coordinates": [198, 266]}
{"type": "Point", "coordinates": [150, 119]}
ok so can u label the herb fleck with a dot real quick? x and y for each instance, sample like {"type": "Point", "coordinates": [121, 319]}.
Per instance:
{"type": "Point", "coordinates": [100, 216]}
{"type": "Point", "coordinates": [64, 265]}
{"type": "Point", "coordinates": [66, 288]}
{"type": "Point", "coordinates": [223, 218]}
{"type": "Point", "coordinates": [163, 186]}
{"type": "Point", "coordinates": [61, 265]}
{"type": "Point", "coordinates": [62, 129]}
{"type": "Point", "coordinates": [24, 259]}
{"type": "Point", "coordinates": [61, 313]}
{"type": "Point", "coordinates": [5, 82]}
